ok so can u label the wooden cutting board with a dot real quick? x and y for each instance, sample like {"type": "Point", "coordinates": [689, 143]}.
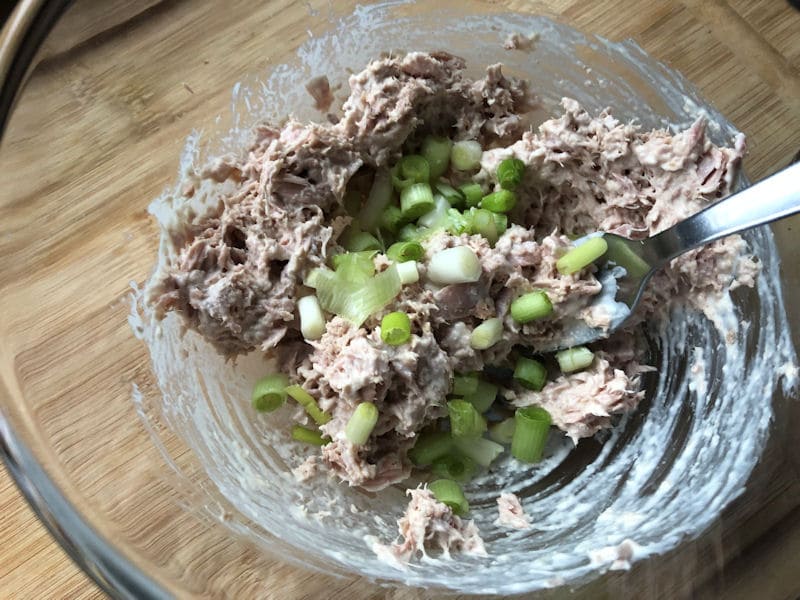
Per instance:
{"type": "Point", "coordinates": [745, 57]}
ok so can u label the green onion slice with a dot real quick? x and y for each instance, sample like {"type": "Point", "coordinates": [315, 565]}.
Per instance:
{"type": "Point", "coordinates": [269, 393]}
{"type": "Point", "coordinates": [407, 271]}
{"type": "Point", "coordinates": [473, 194]}
{"type": "Point", "coordinates": [449, 193]}
{"type": "Point", "coordinates": [361, 423]}
{"type": "Point", "coordinates": [392, 219]}
{"type": "Point", "coordinates": [405, 251]}
{"type": "Point", "coordinates": [355, 302]}
{"type": "Point", "coordinates": [483, 397]}
{"type": "Point", "coordinates": [500, 223]}
{"type": "Point", "coordinates": [483, 223]}
{"type": "Point", "coordinates": [510, 172]}
{"type": "Point", "coordinates": [396, 328]}
{"type": "Point", "coordinates": [436, 151]}
{"type": "Point", "coordinates": [436, 218]}
{"type": "Point", "coordinates": [459, 222]}
{"type": "Point", "coordinates": [479, 449]}
{"type": "Point", "coordinates": [466, 155]}
{"type": "Point", "coordinates": [574, 359]}
{"type": "Point", "coordinates": [465, 420]}
{"type": "Point", "coordinates": [620, 254]}
{"type": "Point", "coordinates": [355, 267]}
{"type": "Point", "coordinates": [416, 200]}
{"type": "Point", "coordinates": [312, 321]}
{"type": "Point", "coordinates": [450, 493]}
{"type": "Point", "coordinates": [454, 466]}
{"type": "Point", "coordinates": [430, 446]}
{"type": "Point", "coordinates": [502, 432]}
{"type": "Point", "coordinates": [534, 305]}
{"type": "Point", "coordinates": [530, 373]}
{"type": "Point", "coordinates": [359, 241]}
{"type": "Point", "coordinates": [306, 400]}
{"type": "Point", "coordinates": [500, 201]}
{"type": "Point", "coordinates": [415, 168]}
{"type": "Point", "coordinates": [531, 427]}
{"type": "Point", "coordinates": [465, 383]}
{"type": "Point", "coordinates": [308, 436]}
{"type": "Point", "coordinates": [459, 264]}
{"type": "Point", "coordinates": [582, 256]}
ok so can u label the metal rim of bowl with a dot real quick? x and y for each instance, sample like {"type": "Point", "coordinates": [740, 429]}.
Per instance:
{"type": "Point", "coordinates": [27, 27]}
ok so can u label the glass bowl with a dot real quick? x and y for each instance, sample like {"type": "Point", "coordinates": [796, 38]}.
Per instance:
{"type": "Point", "coordinates": [136, 448]}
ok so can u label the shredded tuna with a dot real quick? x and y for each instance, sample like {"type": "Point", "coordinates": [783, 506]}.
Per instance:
{"type": "Point", "coordinates": [520, 41]}
{"type": "Point", "coordinates": [582, 403]}
{"type": "Point", "coordinates": [237, 262]}
{"type": "Point", "coordinates": [510, 512]}
{"type": "Point", "coordinates": [428, 526]}
{"type": "Point", "coordinates": [320, 90]}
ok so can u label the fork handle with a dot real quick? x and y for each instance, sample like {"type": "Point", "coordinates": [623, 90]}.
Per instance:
{"type": "Point", "coordinates": [770, 199]}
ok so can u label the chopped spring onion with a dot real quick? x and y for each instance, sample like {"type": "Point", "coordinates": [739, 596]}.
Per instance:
{"type": "Point", "coordinates": [466, 155]}
{"type": "Point", "coordinates": [455, 467]}
{"type": "Point", "coordinates": [582, 256]}
{"type": "Point", "coordinates": [531, 426]}
{"type": "Point", "coordinates": [451, 194]}
{"type": "Point", "coordinates": [533, 305]}
{"type": "Point", "coordinates": [448, 492]}
{"type": "Point", "coordinates": [500, 201]}
{"type": "Point", "coordinates": [380, 196]}
{"type": "Point", "coordinates": [487, 334]}
{"type": "Point", "coordinates": [356, 302]}
{"type": "Point", "coordinates": [483, 397]}
{"type": "Point", "coordinates": [473, 193]}
{"type": "Point", "coordinates": [354, 267]}
{"type": "Point", "coordinates": [510, 172]}
{"type": "Point", "coordinates": [360, 241]}
{"type": "Point", "coordinates": [269, 393]}
{"type": "Point", "coordinates": [411, 232]}
{"type": "Point", "coordinates": [438, 216]}
{"type": "Point", "coordinates": [530, 373]}
{"type": "Point", "coordinates": [398, 181]}
{"type": "Point", "coordinates": [620, 254]}
{"type": "Point", "coordinates": [500, 222]}
{"type": "Point", "coordinates": [502, 432]}
{"type": "Point", "coordinates": [436, 151]}
{"type": "Point", "coordinates": [416, 200]}
{"type": "Point", "coordinates": [466, 383]}
{"type": "Point", "coordinates": [361, 423]}
{"type": "Point", "coordinates": [312, 321]}
{"type": "Point", "coordinates": [454, 265]}
{"type": "Point", "coordinates": [407, 271]}
{"type": "Point", "coordinates": [392, 219]}
{"type": "Point", "coordinates": [465, 421]}
{"type": "Point", "coordinates": [483, 224]}
{"type": "Point", "coordinates": [459, 222]}
{"type": "Point", "coordinates": [415, 168]}
{"type": "Point", "coordinates": [352, 202]}
{"type": "Point", "coordinates": [430, 446]}
{"type": "Point", "coordinates": [479, 449]}
{"type": "Point", "coordinates": [574, 359]}
{"type": "Point", "coordinates": [308, 436]}
{"type": "Point", "coordinates": [310, 405]}
{"type": "Point", "coordinates": [396, 328]}
{"type": "Point", "coordinates": [403, 251]}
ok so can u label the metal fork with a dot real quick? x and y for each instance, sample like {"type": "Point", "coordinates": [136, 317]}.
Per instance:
{"type": "Point", "coordinates": [773, 198]}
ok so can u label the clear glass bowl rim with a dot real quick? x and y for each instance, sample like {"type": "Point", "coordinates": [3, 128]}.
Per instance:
{"type": "Point", "coordinates": [20, 39]}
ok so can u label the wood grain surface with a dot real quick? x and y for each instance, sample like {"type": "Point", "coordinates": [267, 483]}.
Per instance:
{"type": "Point", "coordinates": [744, 55]}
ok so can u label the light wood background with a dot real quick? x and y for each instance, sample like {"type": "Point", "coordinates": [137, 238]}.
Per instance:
{"type": "Point", "coordinates": [745, 57]}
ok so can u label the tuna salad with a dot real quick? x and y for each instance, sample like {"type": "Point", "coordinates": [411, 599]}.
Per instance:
{"type": "Point", "coordinates": [405, 263]}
